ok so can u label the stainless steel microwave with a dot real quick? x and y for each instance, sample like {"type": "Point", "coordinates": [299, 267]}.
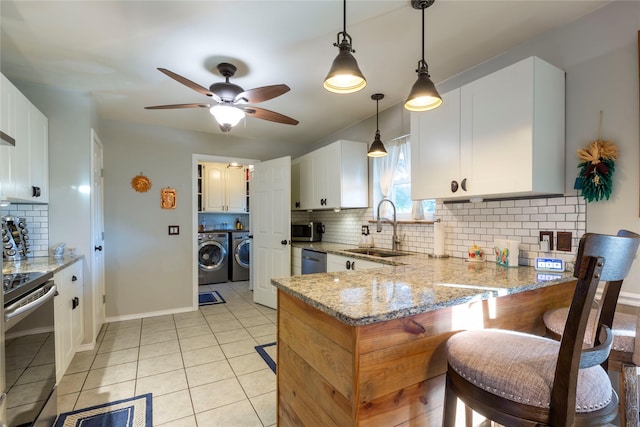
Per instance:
{"type": "Point", "coordinates": [307, 232]}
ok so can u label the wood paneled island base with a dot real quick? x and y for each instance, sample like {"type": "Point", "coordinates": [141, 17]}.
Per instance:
{"type": "Point", "coordinates": [387, 373]}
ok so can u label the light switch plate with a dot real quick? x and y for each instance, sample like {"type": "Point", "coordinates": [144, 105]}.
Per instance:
{"type": "Point", "coordinates": [549, 264]}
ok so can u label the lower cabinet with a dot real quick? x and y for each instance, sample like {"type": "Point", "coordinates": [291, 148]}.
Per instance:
{"type": "Point", "coordinates": [296, 261]}
{"type": "Point", "coordinates": [342, 263]}
{"type": "Point", "coordinates": [68, 315]}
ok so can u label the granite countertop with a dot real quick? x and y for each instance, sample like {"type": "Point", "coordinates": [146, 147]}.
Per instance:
{"type": "Point", "coordinates": [39, 264]}
{"type": "Point", "coordinates": [411, 285]}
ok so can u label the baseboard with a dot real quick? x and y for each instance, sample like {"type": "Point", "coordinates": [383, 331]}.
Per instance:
{"type": "Point", "coordinates": [626, 298]}
{"type": "Point", "coordinates": [149, 314]}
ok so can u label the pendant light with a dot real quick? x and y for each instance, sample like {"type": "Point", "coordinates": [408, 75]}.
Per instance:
{"type": "Point", "coordinates": [344, 75]}
{"type": "Point", "coordinates": [377, 148]}
{"type": "Point", "coordinates": [423, 95]}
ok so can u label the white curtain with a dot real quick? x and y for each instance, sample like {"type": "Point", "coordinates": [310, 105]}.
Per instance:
{"type": "Point", "coordinates": [386, 167]}
{"type": "Point", "coordinates": [417, 211]}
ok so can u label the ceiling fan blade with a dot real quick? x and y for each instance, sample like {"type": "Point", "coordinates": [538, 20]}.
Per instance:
{"type": "Point", "coordinates": [272, 116]}
{"type": "Point", "coordinates": [189, 83]}
{"type": "Point", "coordinates": [261, 94]}
{"type": "Point", "coordinates": [167, 107]}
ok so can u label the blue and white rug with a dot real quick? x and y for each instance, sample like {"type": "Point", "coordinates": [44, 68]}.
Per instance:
{"type": "Point", "coordinates": [211, 297]}
{"type": "Point", "coordinates": [134, 412]}
{"type": "Point", "coordinates": [263, 351]}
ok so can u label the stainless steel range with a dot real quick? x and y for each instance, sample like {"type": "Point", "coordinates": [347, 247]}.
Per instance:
{"type": "Point", "coordinates": [29, 349]}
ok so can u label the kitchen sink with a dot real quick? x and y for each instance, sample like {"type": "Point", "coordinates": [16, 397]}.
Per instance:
{"type": "Point", "coordinates": [376, 252]}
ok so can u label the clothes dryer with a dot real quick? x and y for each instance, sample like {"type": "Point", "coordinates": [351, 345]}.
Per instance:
{"type": "Point", "coordinates": [240, 245]}
{"type": "Point", "coordinates": [213, 258]}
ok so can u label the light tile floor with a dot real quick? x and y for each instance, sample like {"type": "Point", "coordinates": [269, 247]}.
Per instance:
{"type": "Point", "coordinates": [202, 366]}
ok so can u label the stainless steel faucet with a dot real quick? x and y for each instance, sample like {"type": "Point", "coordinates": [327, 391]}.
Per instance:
{"type": "Point", "coordinates": [396, 240]}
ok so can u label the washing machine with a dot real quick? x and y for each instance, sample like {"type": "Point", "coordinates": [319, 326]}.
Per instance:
{"type": "Point", "coordinates": [240, 244]}
{"type": "Point", "coordinates": [213, 258]}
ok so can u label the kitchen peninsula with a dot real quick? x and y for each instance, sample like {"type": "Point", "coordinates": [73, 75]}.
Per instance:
{"type": "Point", "coordinates": [367, 347]}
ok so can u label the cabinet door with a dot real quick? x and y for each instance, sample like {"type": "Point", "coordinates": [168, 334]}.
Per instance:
{"type": "Point", "coordinates": [295, 185]}
{"type": "Point", "coordinates": [352, 187]}
{"type": "Point", "coordinates": [307, 187]}
{"type": "Point", "coordinates": [77, 307]}
{"type": "Point", "coordinates": [435, 150]}
{"type": "Point", "coordinates": [236, 190]}
{"type": "Point", "coordinates": [38, 155]}
{"type": "Point", "coordinates": [497, 120]}
{"type": "Point", "coordinates": [296, 261]}
{"type": "Point", "coordinates": [8, 94]}
{"type": "Point", "coordinates": [214, 200]}
{"type": "Point", "coordinates": [62, 321]}
{"type": "Point", "coordinates": [337, 263]}
{"type": "Point", "coordinates": [327, 176]}
{"type": "Point", "coordinates": [22, 164]}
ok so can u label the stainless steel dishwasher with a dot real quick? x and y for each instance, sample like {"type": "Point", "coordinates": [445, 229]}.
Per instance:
{"type": "Point", "coordinates": [313, 261]}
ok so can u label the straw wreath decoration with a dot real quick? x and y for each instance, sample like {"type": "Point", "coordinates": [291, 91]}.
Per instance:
{"type": "Point", "coordinates": [597, 167]}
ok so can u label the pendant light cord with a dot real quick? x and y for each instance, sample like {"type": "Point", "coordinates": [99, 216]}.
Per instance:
{"type": "Point", "coordinates": [423, 8]}
{"type": "Point", "coordinates": [377, 125]}
{"type": "Point", "coordinates": [344, 16]}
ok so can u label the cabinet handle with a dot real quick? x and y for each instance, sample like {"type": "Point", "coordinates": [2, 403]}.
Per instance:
{"type": "Point", "coordinates": [35, 191]}
{"type": "Point", "coordinates": [297, 204]}
{"type": "Point", "coordinates": [353, 265]}
{"type": "Point", "coordinates": [75, 302]}
{"type": "Point", "coordinates": [463, 184]}
{"type": "Point", "coordinates": [74, 278]}
{"type": "Point", "coordinates": [454, 186]}
{"type": "Point", "coordinates": [98, 248]}
{"type": "Point", "coordinates": [348, 265]}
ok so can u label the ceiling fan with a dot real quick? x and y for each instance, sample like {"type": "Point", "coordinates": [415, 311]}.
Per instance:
{"type": "Point", "coordinates": [230, 99]}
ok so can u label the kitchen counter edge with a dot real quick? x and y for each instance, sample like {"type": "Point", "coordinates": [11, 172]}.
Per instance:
{"type": "Point", "coordinates": [39, 264]}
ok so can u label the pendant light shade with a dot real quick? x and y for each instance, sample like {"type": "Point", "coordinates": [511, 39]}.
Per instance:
{"type": "Point", "coordinates": [344, 75]}
{"type": "Point", "coordinates": [377, 147]}
{"type": "Point", "coordinates": [423, 95]}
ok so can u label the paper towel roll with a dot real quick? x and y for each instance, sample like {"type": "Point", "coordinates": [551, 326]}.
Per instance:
{"type": "Point", "coordinates": [438, 238]}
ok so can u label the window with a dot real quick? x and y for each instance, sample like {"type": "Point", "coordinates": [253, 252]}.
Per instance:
{"type": "Point", "coordinates": [393, 173]}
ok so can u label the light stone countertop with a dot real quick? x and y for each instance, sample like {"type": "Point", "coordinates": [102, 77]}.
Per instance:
{"type": "Point", "coordinates": [413, 284]}
{"type": "Point", "coordinates": [39, 264]}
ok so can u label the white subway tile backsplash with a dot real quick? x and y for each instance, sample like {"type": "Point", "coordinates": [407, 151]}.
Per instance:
{"type": "Point", "coordinates": [467, 224]}
{"type": "Point", "coordinates": [37, 219]}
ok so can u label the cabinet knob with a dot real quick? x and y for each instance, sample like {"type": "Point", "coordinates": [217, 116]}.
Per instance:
{"type": "Point", "coordinates": [353, 265]}
{"type": "Point", "coordinates": [75, 302]}
{"type": "Point", "coordinates": [297, 204]}
{"type": "Point", "coordinates": [35, 191]}
{"type": "Point", "coordinates": [463, 184]}
{"type": "Point", "coordinates": [74, 278]}
{"type": "Point", "coordinates": [454, 186]}
{"type": "Point", "coordinates": [348, 265]}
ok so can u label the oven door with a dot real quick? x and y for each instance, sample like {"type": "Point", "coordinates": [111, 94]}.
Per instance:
{"type": "Point", "coordinates": [30, 359]}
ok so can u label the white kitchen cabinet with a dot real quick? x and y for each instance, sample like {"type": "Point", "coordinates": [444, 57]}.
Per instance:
{"type": "Point", "coordinates": [332, 177]}
{"type": "Point", "coordinates": [24, 168]}
{"type": "Point", "coordinates": [68, 309]}
{"type": "Point", "coordinates": [337, 263]}
{"type": "Point", "coordinates": [224, 188]}
{"type": "Point", "coordinates": [499, 136]}
{"type": "Point", "coordinates": [296, 261]}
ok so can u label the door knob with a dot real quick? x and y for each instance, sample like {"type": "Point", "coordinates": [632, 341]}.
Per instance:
{"type": "Point", "coordinates": [74, 278]}
{"type": "Point", "coordinates": [98, 248]}
{"type": "Point", "coordinates": [283, 242]}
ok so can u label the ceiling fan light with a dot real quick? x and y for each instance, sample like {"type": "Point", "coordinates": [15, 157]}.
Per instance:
{"type": "Point", "coordinates": [227, 115]}
{"type": "Point", "coordinates": [424, 95]}
{"type": "Point", "coordinates": [377, 147]}
{"type": "Point", "coordinates": [344, 75]}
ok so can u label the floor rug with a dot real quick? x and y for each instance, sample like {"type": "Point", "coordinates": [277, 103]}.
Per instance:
{"type": "Point", "coordinates": [208, 298]}
{"type": "Point", "coordinates": [261, 349]}
{"type": "Point", "coordinates": [134, 412]}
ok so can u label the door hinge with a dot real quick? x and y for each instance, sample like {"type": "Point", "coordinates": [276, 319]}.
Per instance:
{"type": "Point", "coordinates": [102, 172]}
{"type": "Point", "coordinates": [104, 299]}
{"type": "Point", "coordinates": [102, 236]}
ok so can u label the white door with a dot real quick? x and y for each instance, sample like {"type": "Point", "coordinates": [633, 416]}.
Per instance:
{"type": "Point", "coordinates": [271, 222]}
{"type": "Point", "coordinates": [97, 237]}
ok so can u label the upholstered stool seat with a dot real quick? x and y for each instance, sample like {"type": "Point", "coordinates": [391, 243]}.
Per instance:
{"type": "Point", "coordinates": [624, 328]}
{"type": "Point", "coordinates": [521, 367]}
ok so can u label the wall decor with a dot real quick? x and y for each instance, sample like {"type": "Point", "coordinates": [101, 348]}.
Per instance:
{"type": "Point", "coordinates": [168, 198]}
{"type": "Point", "coordinates": [596, 168]}
{"type": "Point", "coordinates": [141, 183]}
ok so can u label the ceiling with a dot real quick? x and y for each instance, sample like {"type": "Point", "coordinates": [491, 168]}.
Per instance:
{"type": "Point", "coordinates": [111, 49]}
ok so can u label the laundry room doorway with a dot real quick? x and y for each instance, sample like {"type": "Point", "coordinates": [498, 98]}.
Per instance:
{"type": "Point", "coordinates": [221, 211]}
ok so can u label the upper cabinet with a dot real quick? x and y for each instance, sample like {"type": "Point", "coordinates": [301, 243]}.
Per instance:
{"type": "Point", "coordinates": [24, 175]}
{"type": "Point", "coordinates": [224, 188]}
{"type": "Point", "coordinates": [499, 136]}
{"type": "Point", "coordinates": [332, 177]}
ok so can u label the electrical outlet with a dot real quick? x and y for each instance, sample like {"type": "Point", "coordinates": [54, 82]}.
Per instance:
{"type": "Point", "coordinates": [365, 230]}
{"type": "Point", "coordinates": [546, 236]}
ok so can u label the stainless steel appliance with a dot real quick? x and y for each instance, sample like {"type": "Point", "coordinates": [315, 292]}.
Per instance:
{"type": "Point", "coordinates": [240, 245]}
{"type": "Point", "coordinates": [313, 262]}
{"type": "Point", "coordinates": [213, 258]}
{"type": "Point", "coordinates": [29, 349]}
{"type": "Point", "coordinates": [15, 238]}
{"type": "Point", "coordinates": [307, 232]}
